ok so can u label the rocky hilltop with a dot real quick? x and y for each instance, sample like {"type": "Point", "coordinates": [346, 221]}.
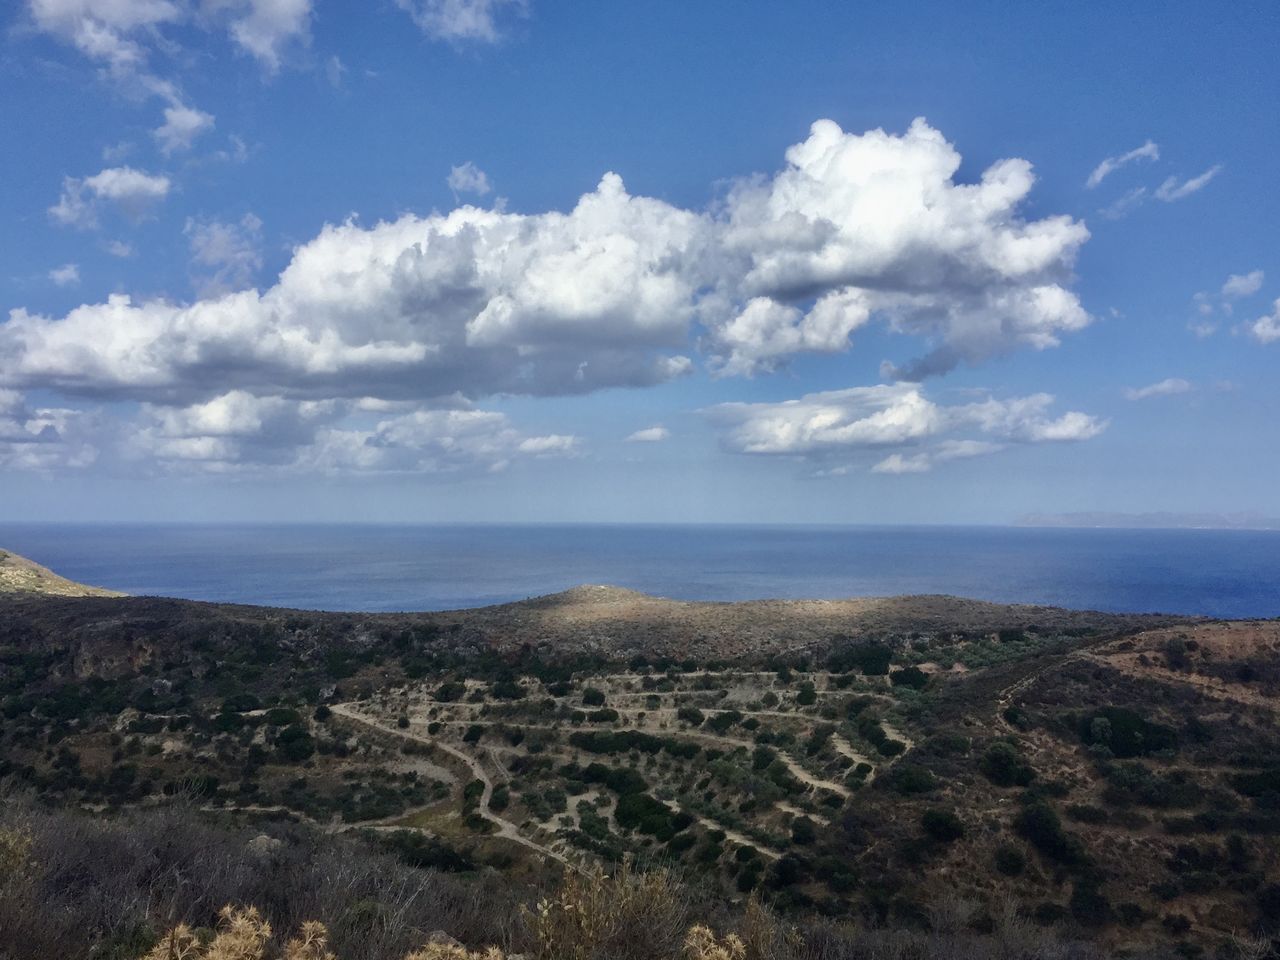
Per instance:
{"type": "Point", "coordinates": [20, 575]}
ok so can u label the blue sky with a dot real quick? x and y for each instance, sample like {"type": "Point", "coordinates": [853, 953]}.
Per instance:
{"type": "Point", "coordinates": [294, 259]}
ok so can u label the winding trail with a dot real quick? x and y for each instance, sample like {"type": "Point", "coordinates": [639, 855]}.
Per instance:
{"type": "Point", "coordinates": [505, 828]}
{"type": "Point", "coordinates": [730, 834]}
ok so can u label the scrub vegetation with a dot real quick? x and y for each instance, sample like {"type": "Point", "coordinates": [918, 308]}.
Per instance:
{"type": "Point", "coordinates": [880, 785]}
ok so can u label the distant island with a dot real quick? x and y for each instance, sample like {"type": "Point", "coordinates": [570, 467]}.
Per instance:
{"type": "Point", "coordinates": [1153, 521]}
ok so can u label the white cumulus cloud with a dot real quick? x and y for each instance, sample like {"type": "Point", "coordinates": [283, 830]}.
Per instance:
{"type": "Point", "coordinates": [858, 224]}
{"type": "Point", "coordinates": [654, 434]}
{"type": "Point", "coordinates": [1240, 285]}
{"type": "Point", "coordinates": [462, 20]}
{"type": "Point", "coordinates": [477, 302]}
{"type": "Point", "coordinates": [264, 28]}
{"type": "Point", "coordinates": [67, 275]}
{"type": "Point", "coordinates": [133, 192]}
{"type": "Point", "coordinates": [468, 178]}
{"type": "Point", "coordinates": [47, 438]}
{"type": "Point", "coordinates": [182, 124]}
{"type": "Point", "coordinates": [226, 256]}
{"type": "Point", "coordinates": [1266, 329]}
{"type": "Point", "coordinates": [895, 415]}
{"type": "Point", "coordinates": [617, 291]}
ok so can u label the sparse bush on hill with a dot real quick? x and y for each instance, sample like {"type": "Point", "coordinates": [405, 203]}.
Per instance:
{"type": "Point", "coordinates": [1004, 766]}
{"type": "Point", "coordinates": [690, 715]}
{"type": "Point", "coordinates": [1039, 825]}
{"type": "Point", "coordinates": [912, 677]}
{"type": "Point", "coordinates": [942, 826]}
{"type": "Point", "coordinates": [1124, 733]}
{"type": "Point", "coordinates": [871, 658]}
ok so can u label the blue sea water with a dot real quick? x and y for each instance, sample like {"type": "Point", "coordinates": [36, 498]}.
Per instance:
{"type": "Point", "coordinates": [387, 567]}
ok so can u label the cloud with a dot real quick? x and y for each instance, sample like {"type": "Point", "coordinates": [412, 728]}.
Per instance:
{"type": "Point", "coordinates": [109, 31]}
{"type": "Point", "coordinates": [67, 275]}
{"type": "Point", "coordinates": [133, 192]}
{"type": "Point", "coordinates": [923, 462]}
{"type": "Point", "coordinates": [896, 463]}
{"type": "Point", "coordinates": [468, 178]}
{"type": "Point", "coordinates": [264, 28]}
{"type": "Point", "coordinates": [1129, 201]}
{"type": "Point", "coordinates": [1209, 305]}
{"type": "Point", "coordinates": [1266, 329]}
{"type": "Point", "coordinates": [478, 302]}
{"type": "Point", "coordinates": [335, 71]}
{"type": "Point", "coordinates": [238, 431]}
{"type": "Point", "coordinates": [898, 415]}
{"type": "Point", "coordinates": [1172, 190]}
{"type": "Point", "coordinates": [655, 434]}
{"type": "Point", "coordinates": [875, 223]}
{"type": "Point", "coordinates": [226, 255]}
{"type": "Point", "coordinates": [1165, 388]}
{"type": "Point", "coordinates": [432, 442]}
{"type": "Point", "coordinates": [461, 20]}
{"type": "Point", "coordinates": [1242, 285]}
{"type": "Point", "coordinates": [615, 292]}
{"type": "Point", "coordinates": [118, 248]}
{"type": "Point", "coordinates": [855, 229]}
{"type": "Point", "coordinates": [48, 438]}
{"type": "Point", "coordinates": [181, 126]}
{"type": "Point", "coordinates": [1148, 151]}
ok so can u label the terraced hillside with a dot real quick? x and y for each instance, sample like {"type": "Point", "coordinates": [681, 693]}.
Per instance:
{"type": "Point", "coordinates": [870, 762]}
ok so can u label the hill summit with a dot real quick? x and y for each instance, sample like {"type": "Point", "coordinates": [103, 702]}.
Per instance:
{"type": "Point", "coordinates": [20, 575]}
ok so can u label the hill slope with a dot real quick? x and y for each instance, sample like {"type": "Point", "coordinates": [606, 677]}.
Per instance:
{"type": "Point", "coordinates": [889, 759]}
{"type": "Point", "coordinates": [20, 575]}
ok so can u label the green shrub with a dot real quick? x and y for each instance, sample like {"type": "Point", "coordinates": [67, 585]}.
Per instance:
{"type": "Point", "coordinates": [592, 697]}
{"type": "Point", "coordinates": [241, 703]}
{"type": "Point", "coordinates": [803, 831]}
{"type": "Point", "coordinates": [912, 677]}
{"type": "Point", "coordinates": [450, 691]}
{"type": "Point", "coordinates": [942, 826]}
{"type": "Point", "coordinates": [641, 812]}
{"type": "Point", "coordinates": [281, 717]}
{"type": "Point", "coordinates": [1039, 825]}
{"type": "Point", "coordinates": [1010, 860]}
{"type": "Point", "coordinates": [690, 715]}
{"type": "Point", "coordinates": [1004, 766]}
{"type": "Point", "coordinates": [508, 690]}
{"type": "Point", "coordinates": [872, 659]}
{"type": "Point", "coordinates": [295, 744]}
{"type": "Point", "coordinates": [910, 779]}
{"type": "Point", "coordinates": [870, 730]}
{"type": "Point", "coordinates": [724, 720]}
{"type": "Point", "coordinates": [1125, 733]}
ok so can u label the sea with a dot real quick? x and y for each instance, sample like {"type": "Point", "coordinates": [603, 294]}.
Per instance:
{"type": "Point", "coordinates": [1219, 573]}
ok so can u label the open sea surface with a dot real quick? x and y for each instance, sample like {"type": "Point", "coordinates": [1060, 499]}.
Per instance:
{"type": "Point", "coordinates": [411, 567]}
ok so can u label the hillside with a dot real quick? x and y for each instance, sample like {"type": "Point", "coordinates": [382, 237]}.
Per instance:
{"type": "Point", "coordinates": [915, 764]}
{"type": "Point", "coordinates": [20, 575]}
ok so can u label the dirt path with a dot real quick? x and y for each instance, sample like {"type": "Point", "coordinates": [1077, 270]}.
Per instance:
{"type": "Point", "coordinates": [847, 749]}
{"type": "Point", "coordinates": [505, 828]}
{"type": "Point", "coordinates": [739, 838]}
{"type": "Point", "coordinates": [795, 811]}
